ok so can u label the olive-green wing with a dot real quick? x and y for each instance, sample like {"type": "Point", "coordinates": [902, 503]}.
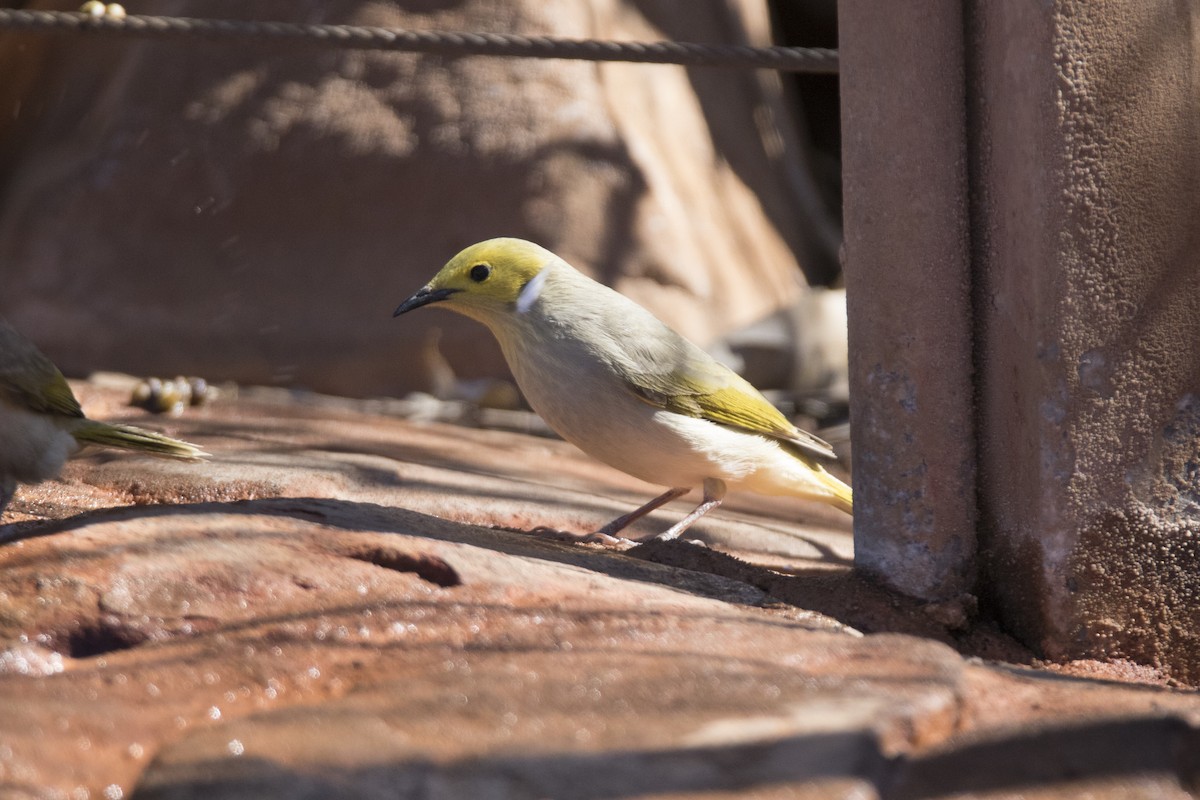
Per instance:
{"type": "Point", "coordinates": [677, 376]}
{"type": "Point", "coordinates": [30, 380]}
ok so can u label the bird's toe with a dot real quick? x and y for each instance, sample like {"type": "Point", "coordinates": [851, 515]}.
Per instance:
{"type": "Point", "coordinates": [613, 542]}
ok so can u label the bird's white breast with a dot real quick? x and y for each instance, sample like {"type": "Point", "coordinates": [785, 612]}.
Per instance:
{"type": "Point", "coordinates": [32, 447]}
{"type": "Point", "coordinates": [590, 408]}
{"type": "Point", "coordinates": [564, 376]}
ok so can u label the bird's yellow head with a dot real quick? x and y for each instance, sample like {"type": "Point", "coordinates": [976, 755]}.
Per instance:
{"type": "Point", "coordinates": [491, 278]}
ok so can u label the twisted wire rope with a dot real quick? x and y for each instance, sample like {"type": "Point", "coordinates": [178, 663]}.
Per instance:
{"type": "Point", "coordinates": [446, 43]}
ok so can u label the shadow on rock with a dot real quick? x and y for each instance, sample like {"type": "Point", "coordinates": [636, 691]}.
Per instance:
{"type": "Point", "coordinates": [580, 776]}
{"type": "Point", "coordinates": [840, 593]}
{"type": "Point", "coordinates": [1153, 753]}
{"type": "Point", "coordinates": [370, 517]}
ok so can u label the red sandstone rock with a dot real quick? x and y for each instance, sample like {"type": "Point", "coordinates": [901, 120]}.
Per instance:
{"type": "Point", "coordinates": [319, 612]}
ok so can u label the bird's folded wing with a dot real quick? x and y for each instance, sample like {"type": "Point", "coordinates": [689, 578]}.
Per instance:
{"type": "Point", "coordinates": [30, 380]}
{"type": "Point", "coordinates": [680, 377]}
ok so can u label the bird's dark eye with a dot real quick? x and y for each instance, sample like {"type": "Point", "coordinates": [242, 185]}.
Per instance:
{"type": "Point", "coordinates": [480, 272]}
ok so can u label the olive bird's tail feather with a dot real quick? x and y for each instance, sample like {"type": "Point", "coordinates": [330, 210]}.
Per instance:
{"type": "Point", "coordinates": [128, 437]}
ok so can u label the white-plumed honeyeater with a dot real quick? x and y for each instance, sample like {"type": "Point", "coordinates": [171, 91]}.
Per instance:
{"type": "Point", "coordinates": [41, 423]}
{"type": "Point", "coordinates": [618, 383]}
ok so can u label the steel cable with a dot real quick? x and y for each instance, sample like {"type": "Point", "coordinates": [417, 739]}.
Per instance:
{"type": "Point", "coordinates": [445, 43]}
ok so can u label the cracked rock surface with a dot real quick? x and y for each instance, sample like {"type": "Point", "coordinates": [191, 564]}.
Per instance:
{"type": "Point", "coordinates": [346, 604]}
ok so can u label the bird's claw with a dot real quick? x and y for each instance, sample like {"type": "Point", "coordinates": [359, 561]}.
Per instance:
{"type": "Point", "coordinates": [615, 542]}
{"type": "Point", "coordinates": [621, 543]}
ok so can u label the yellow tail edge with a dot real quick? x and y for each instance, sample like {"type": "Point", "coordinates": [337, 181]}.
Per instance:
{"type": "Point", "coordinates": [842, 497]}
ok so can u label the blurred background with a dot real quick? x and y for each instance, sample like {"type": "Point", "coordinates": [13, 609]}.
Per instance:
{"type": "Point", "coordinates": [254, 211]}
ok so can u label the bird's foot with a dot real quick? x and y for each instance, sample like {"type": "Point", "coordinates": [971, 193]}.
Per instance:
{"type": "Point", "coordinates": [600, 537]}
{"type": "Point", "coordinates": [662, 537]}
{"type": "Point", "coordinates": [553, 534]}
{"type": "Point", "coordinates": [613, 542]}
{"type": "Point", "coordinates": [623, 544]}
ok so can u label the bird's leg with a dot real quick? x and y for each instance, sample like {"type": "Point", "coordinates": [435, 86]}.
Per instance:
{"type": "Point", "coordinates": [8, 488]}
{"type": "Point", "coordinates": [608, 534]}
{"type": "Point", "coordinates": [714, 493]}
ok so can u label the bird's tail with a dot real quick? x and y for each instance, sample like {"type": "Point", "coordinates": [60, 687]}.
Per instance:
{"type": "Point", "coordinates": [841, 495]}
{"type": "Point", "coordinates": [128, 437]}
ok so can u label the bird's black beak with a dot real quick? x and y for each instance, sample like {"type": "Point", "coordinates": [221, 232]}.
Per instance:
{"type": "Point", "coordinates": [423, 297]}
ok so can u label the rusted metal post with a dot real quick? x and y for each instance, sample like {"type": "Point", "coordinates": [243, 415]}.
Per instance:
{"type": "Point", "coordinates": [909, 293]}
{"type": "Point", "coordinates": [1025, 353]}
{"type": "Point", "coordinates": [1086, 168]}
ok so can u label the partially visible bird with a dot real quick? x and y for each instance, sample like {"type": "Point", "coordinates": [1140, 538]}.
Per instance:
{"type": "Point", "coordinates": [618, 383]}
{"type": "Point", "coordinates": [41, 423]}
